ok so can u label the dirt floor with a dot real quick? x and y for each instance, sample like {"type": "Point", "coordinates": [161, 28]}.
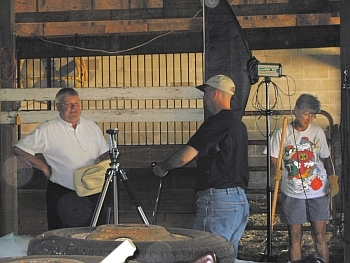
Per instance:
{"type": "Point", "coordinates": [253, 243]}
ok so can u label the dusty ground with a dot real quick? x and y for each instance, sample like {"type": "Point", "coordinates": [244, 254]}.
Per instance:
{"type": "Point", "coordinates": [253, 242]}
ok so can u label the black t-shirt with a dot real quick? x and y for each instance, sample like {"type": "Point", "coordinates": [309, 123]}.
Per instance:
{"type": "Point", "coordinates": [222, 161]}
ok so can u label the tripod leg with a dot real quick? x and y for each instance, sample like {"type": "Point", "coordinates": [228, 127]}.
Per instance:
{"type": "Point", "coordinates": [108, 212]}
{"type": "Point", "coordinates": [101, 198]}
{"type": "Point", "coordinates": [115, 200]}
{"type": "Point", "coordinates": [155, 209]}
{"type": "Point", "coordinates": [133, 196]}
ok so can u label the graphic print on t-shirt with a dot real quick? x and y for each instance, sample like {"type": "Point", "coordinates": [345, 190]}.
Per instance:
{"type": "Point", "coordinates": [301, 164]}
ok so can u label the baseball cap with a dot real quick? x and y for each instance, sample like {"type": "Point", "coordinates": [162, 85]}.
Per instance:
{"type": "Point", "coordinates": [220, 82]}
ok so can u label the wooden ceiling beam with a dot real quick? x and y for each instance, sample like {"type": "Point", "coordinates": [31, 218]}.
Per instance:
{"type": "Point", "coordinates": [182, 42]}
{"type": "Point", "coordinates": [331, 7]}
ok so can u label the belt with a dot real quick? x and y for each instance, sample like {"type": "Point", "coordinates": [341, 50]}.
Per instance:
{"type": "Point", "coordinates": [228, 191]}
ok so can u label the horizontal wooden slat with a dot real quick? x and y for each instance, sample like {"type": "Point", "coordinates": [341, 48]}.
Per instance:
{"type": "Point", "coordinates": [52, 29]}
{"type": "Point", "coordinates": [185, 42]}
{"type": "Point", "coordinates": [110, 115]}
{"type": "Point", "coordinates": [111, 93]}
{"type": "Point", "coordinates": [133, 156]}
{"type": "Point", "coordinates": [129, 115]}
{"type": "Point", "coordinates": [156, 13]}
{"type": "Point", "coordinates": [32, 222]}
{"type": "Point", "coordinates": [114, 115]}
{"type": "Point", "coordinates": [136, 161]}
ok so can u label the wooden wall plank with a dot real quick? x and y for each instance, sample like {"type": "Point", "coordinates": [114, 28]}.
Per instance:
{"type": "Point", "coordinates": [176, 208]}
{"type": "Point", "coordinates": [50, 29]}
{"type": "Point", "coordinates": [172, 9]}
{"type": "Point", "coordinates": [110, 115]}
{"type": "Point", "coordinates": [103, 93]}
{"type": "Point", "coordinates": [127, 115]}
{"type": "Point", "coordinates": [46, 6]}
{"type": "Point", "coordinates": [183, 42]}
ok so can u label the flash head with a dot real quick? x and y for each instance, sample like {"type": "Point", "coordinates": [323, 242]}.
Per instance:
{"type": "Point", "coordinates": [269, 69]}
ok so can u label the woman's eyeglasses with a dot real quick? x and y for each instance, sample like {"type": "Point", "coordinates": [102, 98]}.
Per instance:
{"type": "Point", "coordinates": [309, 115]}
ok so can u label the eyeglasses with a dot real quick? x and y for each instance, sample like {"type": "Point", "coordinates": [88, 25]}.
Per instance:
{"type": "Point", "coordinates": [309, 115]}
{"type": "Point", "coordinates": [71, 104]}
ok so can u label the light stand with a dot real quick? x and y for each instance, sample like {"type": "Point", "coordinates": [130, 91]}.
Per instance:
{"type": "Point", "coordinates": [111, 175]}
{"type": "Point", "coordinates": [269, 189]}
{"type": "Point", "coordinates": [266, 70]}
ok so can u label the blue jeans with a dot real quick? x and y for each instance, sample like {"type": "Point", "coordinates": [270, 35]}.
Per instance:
{"type": "Point", "coordinates": [223, 212]}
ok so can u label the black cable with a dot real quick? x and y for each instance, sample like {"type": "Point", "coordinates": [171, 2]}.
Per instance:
{"type": "Point", "coordinates": [277, 100]}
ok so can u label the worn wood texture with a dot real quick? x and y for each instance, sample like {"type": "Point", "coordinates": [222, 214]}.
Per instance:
{"type": "Point", "coordinates": [258, 38]}
{"type": "Point", "coordinates": [107, 115]}
{"type": "Point", "coordinates": [8, 183]}
{"type": "Point", "coordinates": [174, 9]}
{"type": "Point", "coordinates": [103, 26]}
{"type": "Point", "coordinates": [177, 200]}
{"type": "Point", "coordinates": [176, 205]}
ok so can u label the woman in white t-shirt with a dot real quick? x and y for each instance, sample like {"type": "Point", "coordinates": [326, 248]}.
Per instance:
{"type": "Point", "coordinates": [304, 184]}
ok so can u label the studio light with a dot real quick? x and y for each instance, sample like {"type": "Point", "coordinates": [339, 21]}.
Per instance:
{"type": "Point", "coordinates": [269, 69]}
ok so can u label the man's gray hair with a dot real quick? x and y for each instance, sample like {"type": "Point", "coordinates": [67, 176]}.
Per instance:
{"type": "Point", "coordinates": [65, 92]}
{"type": "Point", "coordinates": [307, 102]}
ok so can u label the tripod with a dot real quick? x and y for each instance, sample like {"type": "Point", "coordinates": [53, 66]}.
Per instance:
{"type": "Point", "coordinates": [111, 176]}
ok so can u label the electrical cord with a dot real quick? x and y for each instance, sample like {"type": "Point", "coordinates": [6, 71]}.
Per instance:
{"type": "Point", "coordinates": [257, 101]}
{"type": "Point", "coordinates": [111, 52]}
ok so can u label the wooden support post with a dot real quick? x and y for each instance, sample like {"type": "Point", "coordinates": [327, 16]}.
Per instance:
{"type": "Point", "coordinates": [8, 171]}
{"type": "Point", "coordinates": [345, 70]}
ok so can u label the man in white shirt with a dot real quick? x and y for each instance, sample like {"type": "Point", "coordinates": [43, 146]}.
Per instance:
{"type": "Point", "coordinates": [67, 142]}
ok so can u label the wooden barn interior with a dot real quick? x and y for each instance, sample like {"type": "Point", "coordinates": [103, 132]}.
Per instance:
{"type": "Point", "coordinates": [134, 64]}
